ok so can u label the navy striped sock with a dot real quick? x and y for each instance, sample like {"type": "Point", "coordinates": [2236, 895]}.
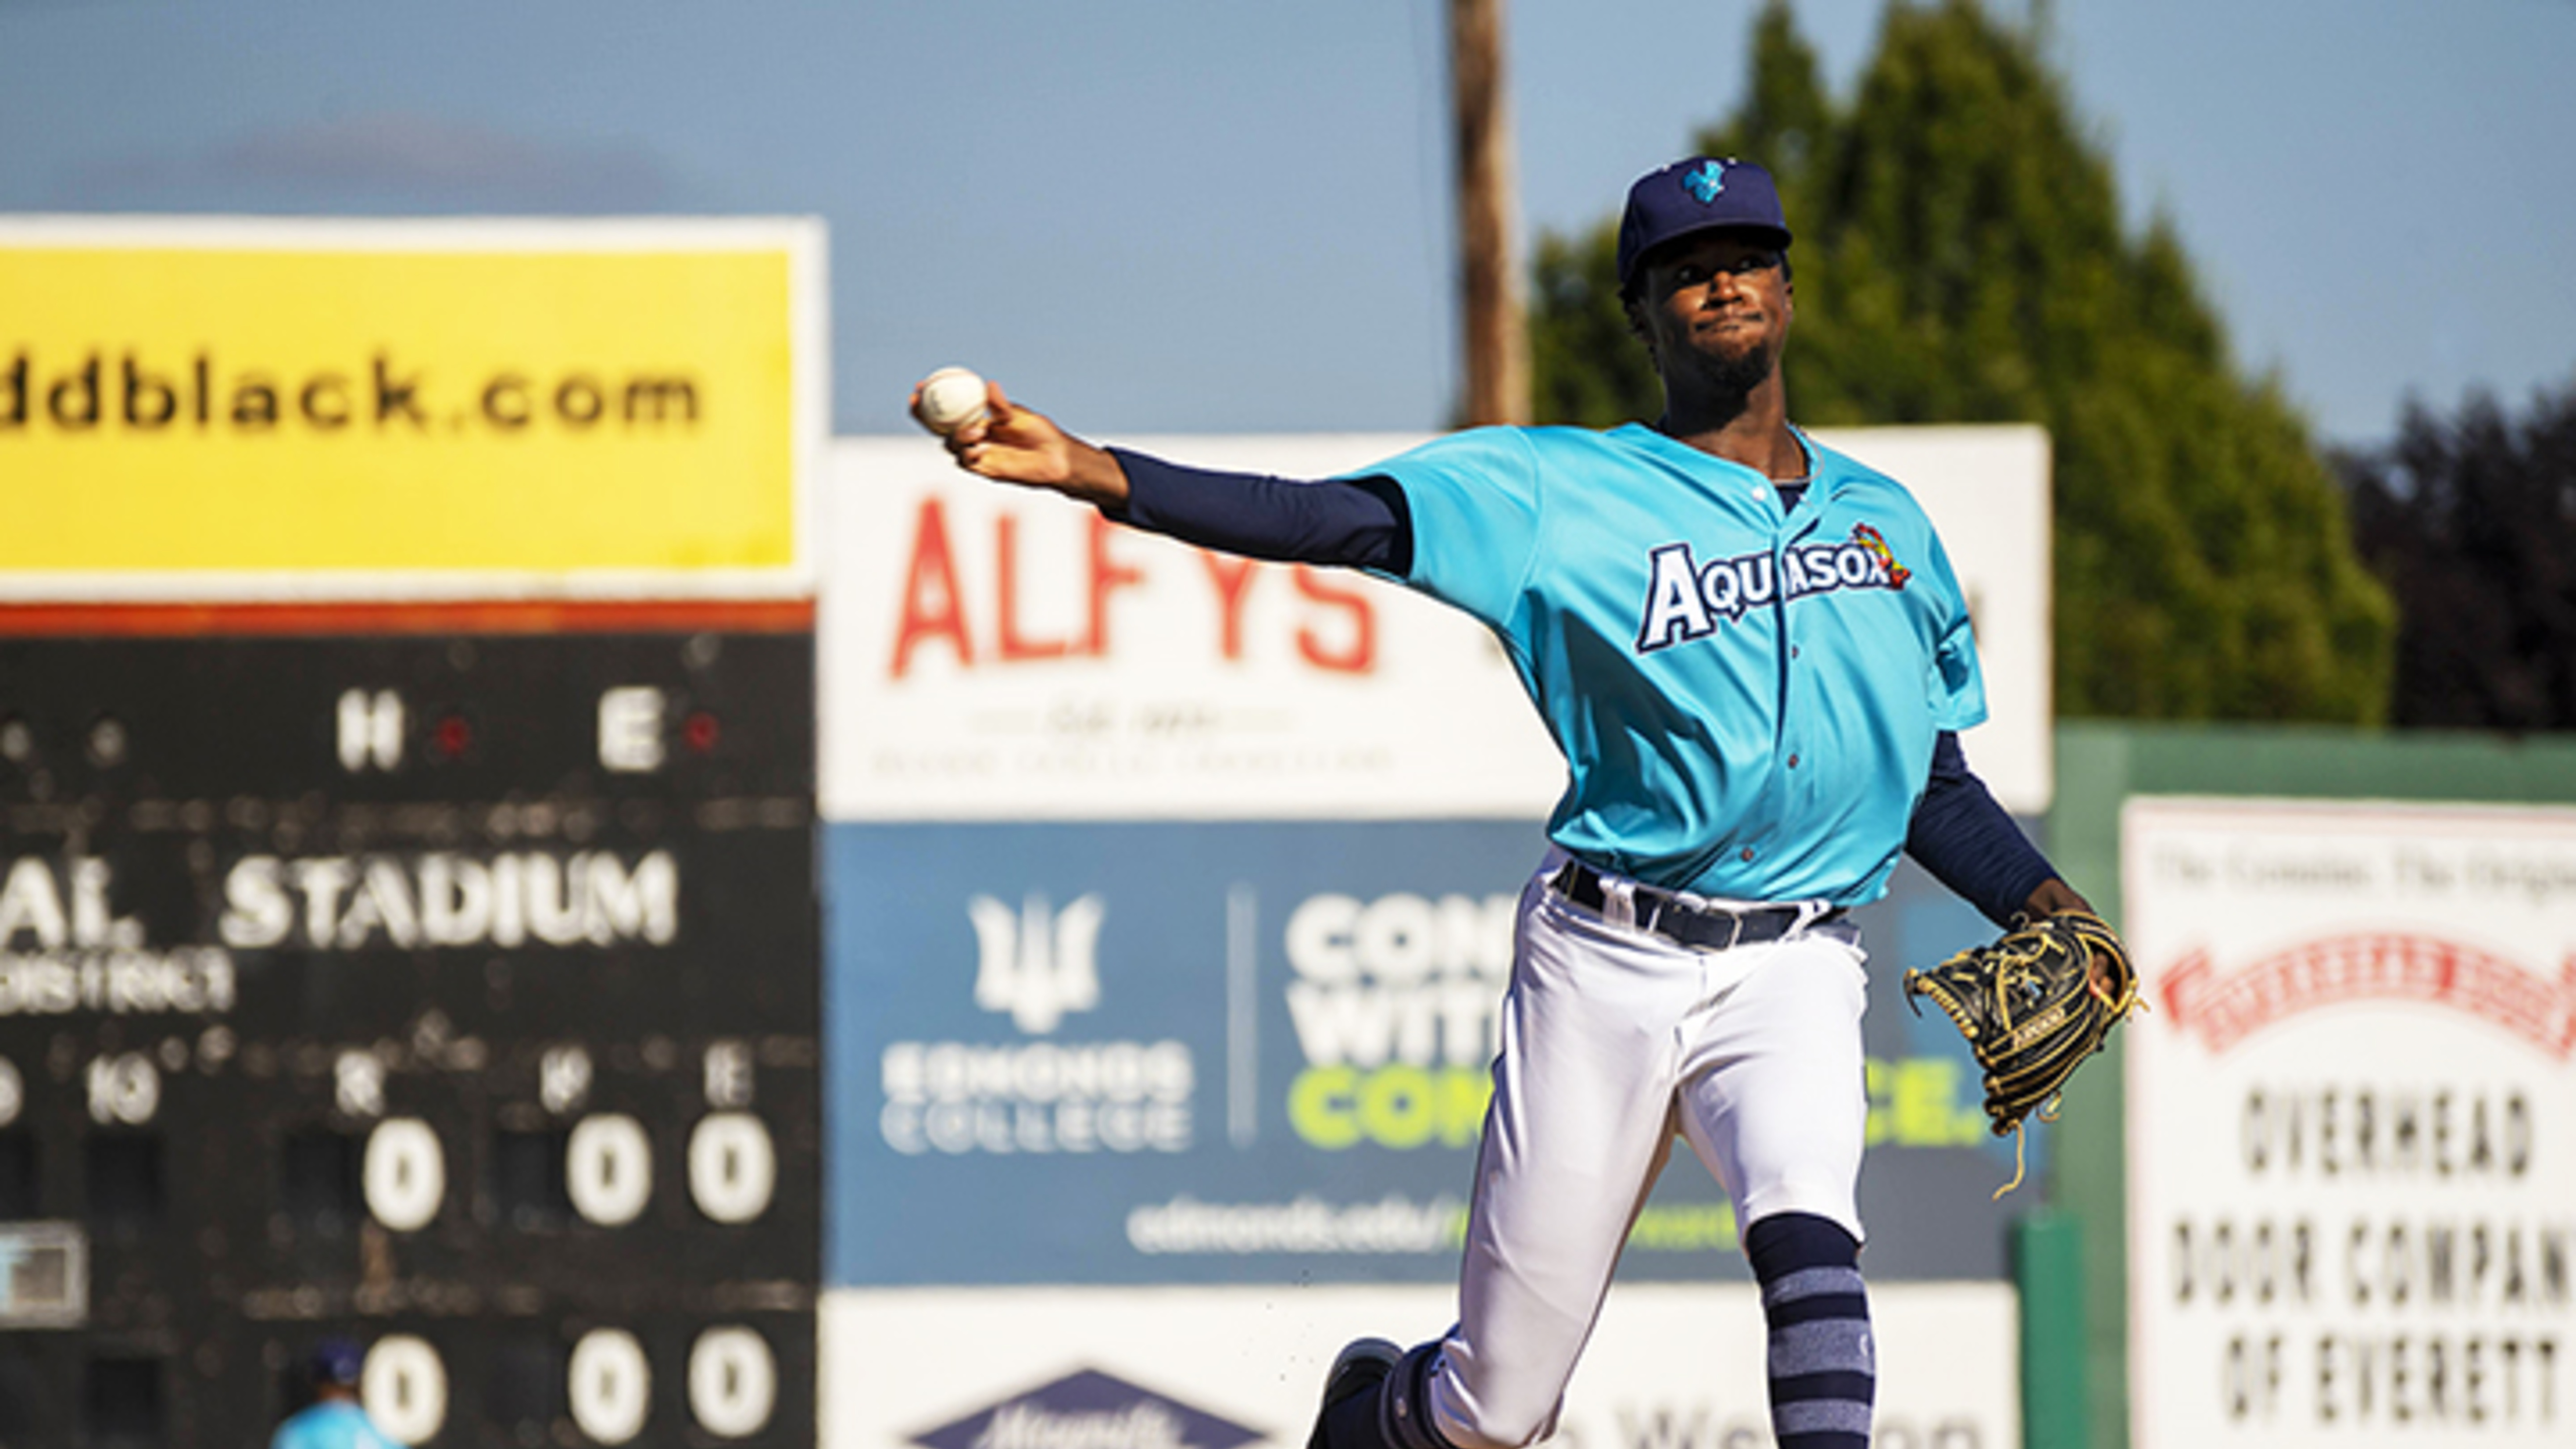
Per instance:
{"type": "Point", "coordinates": [1823, 1363]}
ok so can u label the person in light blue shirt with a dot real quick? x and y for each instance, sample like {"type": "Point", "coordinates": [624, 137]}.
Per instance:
{"type": "Point", "coordinates": [1747, 691]}
{"type": "Point", "coordinates": [1755, 659]}
{"type": "Point", "coordinates": [335, 1419]}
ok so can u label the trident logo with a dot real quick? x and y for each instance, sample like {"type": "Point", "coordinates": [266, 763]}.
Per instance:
{"type": "Point", "coordinates": [1036, 961]}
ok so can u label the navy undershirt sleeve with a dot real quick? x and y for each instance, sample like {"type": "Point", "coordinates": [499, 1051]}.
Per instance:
{"type": "Point", "coordinates": [1969, 843]}
{"type": "Point", "coordinates": [1358, 522]}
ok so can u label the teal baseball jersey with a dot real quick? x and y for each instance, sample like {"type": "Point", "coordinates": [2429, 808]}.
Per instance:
{"type": "Point", "coordinates": [330, 1425]}
{"type": "Point", "coordinates": [1746, 697]}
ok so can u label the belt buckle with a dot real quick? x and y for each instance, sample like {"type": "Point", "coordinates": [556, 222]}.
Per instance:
{"type": "Point", "coordinates": [1663, 902]}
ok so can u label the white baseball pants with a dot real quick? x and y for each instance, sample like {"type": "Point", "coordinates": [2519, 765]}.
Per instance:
{"type": "Point", "coordinates": [1614, 1041]}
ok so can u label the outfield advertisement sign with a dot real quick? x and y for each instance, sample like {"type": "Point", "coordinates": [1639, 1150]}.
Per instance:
{"type": "Point", "coordinates": [204, 409]}
{"type": "Point", "coordinates": [1166, 1052]}
{"type": "Point", "coordinates": [992, 653]}
{"type": "Point", "coordinates": [1670, 1367]}
{"type": "Point", "coordinates": [2352, 1123]}
{"type": "Point", "coordinates": [998, 654]}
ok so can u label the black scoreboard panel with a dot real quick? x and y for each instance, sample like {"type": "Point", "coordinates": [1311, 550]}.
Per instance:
{"type": "Point", "coordinates": [454, 994]}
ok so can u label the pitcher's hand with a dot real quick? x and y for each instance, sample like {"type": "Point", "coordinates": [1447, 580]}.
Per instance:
{"type": "Point", "coordinates": [1013, 444]}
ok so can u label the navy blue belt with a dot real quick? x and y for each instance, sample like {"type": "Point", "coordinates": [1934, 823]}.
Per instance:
{"type": "Point", "coordinates": [1703, 927]}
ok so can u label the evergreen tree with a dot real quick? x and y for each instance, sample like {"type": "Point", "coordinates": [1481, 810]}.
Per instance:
{"type": "Point", "coordinates": [1960, 258]}
{"type": "Point", "coordinates": [2471, 522]}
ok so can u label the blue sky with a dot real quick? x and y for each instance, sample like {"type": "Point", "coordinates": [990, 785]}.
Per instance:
{"type": "Point", "coordinates": [1197, 216]}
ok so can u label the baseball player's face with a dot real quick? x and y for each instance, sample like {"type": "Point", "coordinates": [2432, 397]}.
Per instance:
{"type": "Point", "coordinates": [1715, 302]}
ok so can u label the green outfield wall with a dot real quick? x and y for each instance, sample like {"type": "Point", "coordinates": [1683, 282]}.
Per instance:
{"type": "Point", "coordinates": [2070, 1254]}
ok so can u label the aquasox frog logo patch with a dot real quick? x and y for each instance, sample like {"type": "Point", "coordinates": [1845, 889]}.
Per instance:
{"type": "Point", "coordinates": [1687, 599]}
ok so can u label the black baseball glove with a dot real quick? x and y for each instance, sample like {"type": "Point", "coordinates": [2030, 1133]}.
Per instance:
{"type": "Point", "coordinates": [2033, 1005]}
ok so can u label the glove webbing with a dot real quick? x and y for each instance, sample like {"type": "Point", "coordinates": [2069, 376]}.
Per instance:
{"type": "Point", "coordinates": [2116, 1005]}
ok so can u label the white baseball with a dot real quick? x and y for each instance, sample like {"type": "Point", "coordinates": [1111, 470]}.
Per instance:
{"type": "Point", "coordinates": [951, 398]}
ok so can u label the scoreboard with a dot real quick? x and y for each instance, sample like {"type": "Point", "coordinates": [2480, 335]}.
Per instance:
{"type": "Point", "coordinates": [454, 990]}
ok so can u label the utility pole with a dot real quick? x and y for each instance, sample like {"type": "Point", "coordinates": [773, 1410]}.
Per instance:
{"type": "Point", "coordinates": [1490, 285]}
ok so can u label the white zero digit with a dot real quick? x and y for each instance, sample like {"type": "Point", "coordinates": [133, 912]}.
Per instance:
{"type": "Point", "coordinates": [405, 1173]}
{"type": "Point", "coordinates": [404, 1388]}
{"type": "Point", "coordinates": [733, 1170]}
{"type": "Point", "coordinates": [13, 1092]}
{"type": "Point", "coordinates": [608, 1168]}
{"type": "Point", "coordinates": [733, 1382]}
{"type": "Point", "coordinates": [611, 1386]}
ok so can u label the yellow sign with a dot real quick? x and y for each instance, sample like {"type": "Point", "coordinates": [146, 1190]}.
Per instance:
{"type": "Point", "coordinates": [426, 401]}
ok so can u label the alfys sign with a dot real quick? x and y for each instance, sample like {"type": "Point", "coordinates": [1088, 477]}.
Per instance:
{"type": "Point", "coordinates": [427, 406]}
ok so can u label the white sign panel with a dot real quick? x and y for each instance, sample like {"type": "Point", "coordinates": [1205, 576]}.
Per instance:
{"type": "Point", "coordinates": [1670, 1366]}
{"type": "Point", "coordinates": [2351, 1123]}
{"type": "Point", "coordinates": [992, 653]}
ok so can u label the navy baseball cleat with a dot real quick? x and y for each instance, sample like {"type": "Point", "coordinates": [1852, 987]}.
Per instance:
{"type": "Point", "coordinates": [1362, 1365]}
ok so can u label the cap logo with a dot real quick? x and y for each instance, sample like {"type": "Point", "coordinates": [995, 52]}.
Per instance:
{"type": "Point", "coordinates": [1707, 181]}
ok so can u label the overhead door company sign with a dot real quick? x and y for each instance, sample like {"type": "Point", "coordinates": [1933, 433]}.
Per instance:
{"type": "Point", "coordinates": [992, 653]}
{"type": "Point", "coordinates": [2352, 1123]}
{"type": "Point", "coordinates": [405, 408]}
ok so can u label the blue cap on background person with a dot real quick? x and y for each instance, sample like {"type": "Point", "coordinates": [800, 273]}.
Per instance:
{"type": "Point", "coordinates": [336, 1361]}
{"type": "Point", "coordinates": [1700, 194]}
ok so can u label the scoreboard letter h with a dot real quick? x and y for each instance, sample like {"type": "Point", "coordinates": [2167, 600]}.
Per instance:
{"type": "Point", "coordinates": [371, 730]}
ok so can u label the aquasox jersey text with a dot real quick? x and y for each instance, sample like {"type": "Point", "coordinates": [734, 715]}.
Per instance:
{"type": "Point", "coordinates": [1687, 600]}
{"type": "Point", "coordinates": [1746, 692]}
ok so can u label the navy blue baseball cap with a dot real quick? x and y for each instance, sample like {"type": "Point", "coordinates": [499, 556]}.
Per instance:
{"type": "Point", "coordinates": [336, 1361]}
{"type": "Point", "coordinates": [1700, 194]}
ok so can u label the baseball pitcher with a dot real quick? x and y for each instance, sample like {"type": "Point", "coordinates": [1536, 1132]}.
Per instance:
{"type": "Point", "coordinates": [1756, 661]}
